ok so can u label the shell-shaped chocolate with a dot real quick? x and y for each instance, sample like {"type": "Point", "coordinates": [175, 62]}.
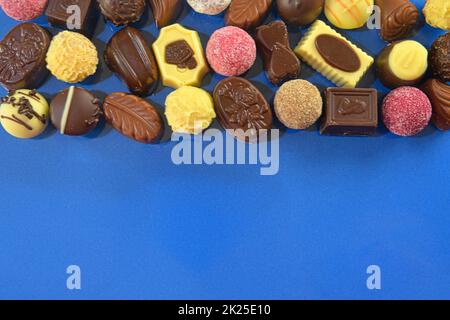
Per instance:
{"type": "Point", "coordinates": [439, 94]}
{"type": "Point", "coordinates": [165, 11]}
{"type": "Point", "coordinates": [240, 106]}
{"type": "Point", "coordinates": [247, 14]}
{"type": "Point", "coordinates": [122, 12]}
{"type": "Point", "coordinates": [130, 56]}
{"type": "Point", "coordinates": [398, 19]}
{"type": "Point", "coordinates": [22, 57]}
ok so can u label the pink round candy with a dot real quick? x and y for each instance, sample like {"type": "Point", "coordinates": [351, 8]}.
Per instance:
{"type": "Point", "coordinates": [406, 111]}
{"type": "Point", "coordinates": [23, 10]}
{"type": "Point", "coordinates": [231, 51]}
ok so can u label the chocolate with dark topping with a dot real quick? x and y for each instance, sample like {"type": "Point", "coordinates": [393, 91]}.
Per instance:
{"type": "Point", "coordinates": [439, 57]}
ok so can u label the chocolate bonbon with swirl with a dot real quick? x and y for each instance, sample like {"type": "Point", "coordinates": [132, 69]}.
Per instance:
{"type": "Point", "coordinates": [398, 18]}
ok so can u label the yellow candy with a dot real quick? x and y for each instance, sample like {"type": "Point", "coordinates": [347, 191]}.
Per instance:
{"type": "Point", "coordinates": [348, 14]}
{"type": "Point", "coordinates": [191, 71]}
{"type": "Point", "coordinates": [308, 52]}
{"type": "Point", "coordinates": [24, 114]}
{"type": "Point", "coordinates": [408, 60]}
{"type": "Point", "coordinates": [437, 13]}
{"type": "Point", "coordinates": [190, 110]}
{"type": "Point", "coordinates": [72, 57]}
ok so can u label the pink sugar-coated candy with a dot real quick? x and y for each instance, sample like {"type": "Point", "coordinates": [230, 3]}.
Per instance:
{"type": "Point", "coordinates": [406, 111]}
{"type": "Point", "coordinates": [231, 51]}
{"type": "Point", "coordinates": [23, 10]}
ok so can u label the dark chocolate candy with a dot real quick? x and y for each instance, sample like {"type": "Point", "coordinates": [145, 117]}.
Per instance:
{"type": "Point", "coordinates": [241, 107]}
{"type": "Point", "coordinates": [350, 112]}
{"type": "Point", "coordinates": [439, 57]}
{"type": "Point", "coordinates": [299, 12]}
{"type": "Point", "coordinates": [134, 117]}
{"type": "Point", "coordinates": [59, 13]}
{"type": "Point", "coordinates": [22, 57]}
{"type": "Point", "coordinates": [247, 14]}
{"type": "Point", "coordinates": [280, 61]}
{"type": "Point", "coordinates": [122, 12]}
{"type": "Point", "coordinates": [166, 11]}
{"type": "Point", "coordinates": [130, 56]}
{"type": "Point", "coordinates": [338, 53]}
{"type": "Point", "coordinates": [75, 111]}
{"type": "Point", "coordinates": [398, 18]}
{"type": "Point", "coordinates": [181, 54]}
{"type": "Point", "coordinates": [439, 95]}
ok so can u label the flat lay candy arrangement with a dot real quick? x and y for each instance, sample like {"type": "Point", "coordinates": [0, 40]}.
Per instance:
{"type": "Point", "coordinates": [178, 59]}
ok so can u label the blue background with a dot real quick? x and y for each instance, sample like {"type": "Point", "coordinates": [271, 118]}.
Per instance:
{"type": "Point", "coordinates": [141, 227]}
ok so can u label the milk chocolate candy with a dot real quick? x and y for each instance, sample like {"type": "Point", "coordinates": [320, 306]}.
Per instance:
{"type": "Point", "coordinates": [75, 111]}
{"type": "Point", "coordinates": [130, 56]}
{"type": "Point", "coordinates": [241, 107]}
{"type": "Point", "coordinates": [439, 95]}
{"type": "Point", "coordinates": [122, 12]}
{"type": "Point", "coordinates": [166, 11]}
{"type": "Point", "coordinates": [134, 117]}
{"type": "Point", "coordinates": [398, 18]}
{"type": "Point", "coordinates": [402, 63]}
{"type": "Point", "coordinates": [22, 57]}
{"type": "Point", "coordinates": [299, 12]}
{"type": "Point", "coordinates": [280, 62]}
{"type": "Point", "coordinates": [350, 112]}
{"type": "Point", "coordinates": [247, 14]}
{"type": "Point", "coordinates": [60, 12]}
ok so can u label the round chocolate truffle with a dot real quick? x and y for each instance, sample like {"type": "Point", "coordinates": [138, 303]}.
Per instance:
{"type": "Point", "coordinates": [231, 51]}
{"type": "Point", "coordinates": [406, 111]}
{"type": "Point", "coordinates": [439, 57]}
{"type": "Point", "coordinates": [75, 111]}
{"type": "Point", "coordinates": [299, 12]}
{"type": "Point", "coordinates": [298, 104]}
{"type": "Point", "coordinates": [209, 7]}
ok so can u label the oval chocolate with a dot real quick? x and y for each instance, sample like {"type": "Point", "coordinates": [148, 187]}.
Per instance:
{"type": "Point", "coordinates": [337, 53]}
{"type": "Point", "coordinates": [241, 107]}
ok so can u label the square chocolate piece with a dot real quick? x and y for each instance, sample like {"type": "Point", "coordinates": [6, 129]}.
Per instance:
{"type": "Point", "coordinates": [350, 112]}
{"type": "Point", "coordinates": [60, 14]}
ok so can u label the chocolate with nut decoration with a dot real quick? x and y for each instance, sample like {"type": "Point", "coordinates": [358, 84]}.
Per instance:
{"type": "Point", "coordinates": [439, 57]}
{"type": "Point", "coordinates": [398, 18]}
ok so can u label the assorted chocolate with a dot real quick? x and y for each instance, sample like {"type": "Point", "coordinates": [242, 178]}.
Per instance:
{"type": "Point", "coordinates": [59, 13]}
{"type": "Point", "coordinates": [130, 56]}
{"type": "Point", "coordinates": [27, 54]}
{"type": "Point", "coordinates": [134, 117]}
{"type": "Point", "coordinates": [22, 57]}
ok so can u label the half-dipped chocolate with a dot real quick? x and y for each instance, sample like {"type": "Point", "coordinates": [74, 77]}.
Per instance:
{"type": "Point", "coordinates": [402, 63]}
{"type": "Point", "coordinates": [130, 56]}
{"type": "Point", "coordinates": [22, 57]}
{"type": "Point", "coordinates": [75, 111]}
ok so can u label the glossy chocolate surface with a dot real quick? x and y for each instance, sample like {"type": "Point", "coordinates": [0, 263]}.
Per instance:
{"type": "Point", "coordinates": [299, 12]}
{"type": "Point", "coordinates": [338, 53]}
{"type": "Point", "coordinates": [398, 18]}
{"type": "Point", "coordinates": [166, 11]}
{"type": "Point", "coordinates": [280, 62]}
{"type": "Point", "coordinates": [134, 117]}
{"type": "Point", "coordinates": [242, 107]}
{"type": "Point", "coordinates": [247, 14]}
{"type": "Point", "coordinates": [350, 112]}
{"type": "Point", "coordinates": [58, 14]}
{"type": "Point", "coordinates": [122, 12]}
{"type": "Point", "coordinates": [130, 56]}
{"type": "Point", "coordinates": [439, 95]}
{"type": "Point", "coordinates": [22, 57]}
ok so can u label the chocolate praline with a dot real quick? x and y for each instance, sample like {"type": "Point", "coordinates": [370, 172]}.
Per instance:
{"type": "Point", "coordinates": [439, 95]}
{"type": "Point", "coordinates": [439, 57]}
{"type": "Point", "coordinates": [299, 12]}
{"type": "Point", "coordinates": [122, 12]}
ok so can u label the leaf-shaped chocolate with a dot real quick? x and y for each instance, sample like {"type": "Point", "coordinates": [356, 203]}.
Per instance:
{"type": "Point", "coordinates": [166, 11]}
{"type": "Point", "coordinates": [134, 117]}
{"type": "Point", "coordinates": [247, 14]}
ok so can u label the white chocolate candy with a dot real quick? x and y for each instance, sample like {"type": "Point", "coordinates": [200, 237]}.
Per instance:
{"type": "Point", "coordinates": [210, 7]}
